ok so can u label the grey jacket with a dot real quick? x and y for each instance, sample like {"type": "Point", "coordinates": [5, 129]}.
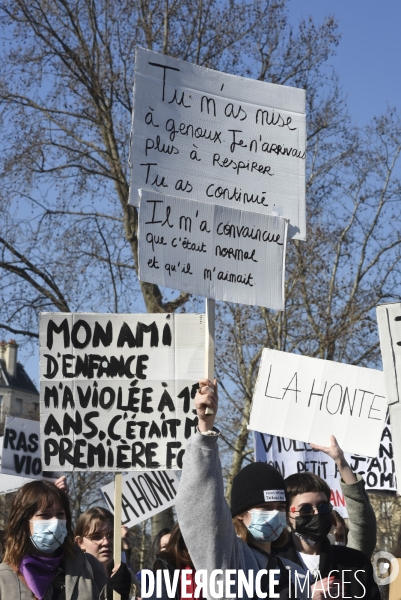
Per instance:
{"type": "Point", "coordinates": [85, 579]}
{"type": "Point", "coordinates": [205, 518]}
{"type": "Point", "coordinates": [362, 519]}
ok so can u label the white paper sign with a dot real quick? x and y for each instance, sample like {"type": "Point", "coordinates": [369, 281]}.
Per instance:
{"type": "Point", "coordinates": [308, 399]}
{"type": "Point", "coordinates": [21, 450]}
{"type": "Point", "coordinates": [218, 138]}
{"type": "Point", "coordinates": [116, 390]}
{"type": "Point", "coordinates": [212, 251]}
{"type": "Point", "coordinates": [389, 322]}
{"type": "Point", "coordinates": [10, 483]}
{"type": "Point", "coordinates": [144, 495]}
{"type": "Point", "coordinates": [291, 456]}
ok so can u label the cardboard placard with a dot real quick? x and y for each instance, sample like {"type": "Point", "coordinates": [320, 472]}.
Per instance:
{"type": "Point", "coordinates": [389, 322]}
{"type": "Point", "coordinates": [144, 495]}
{"type": "Point", "coordinates": [291, 456]}
{"type": "Point", "coordinates": [21, 450]}
{"type": "Point", "coordinates": [10, 483]}
{"type": "Point", "coordinates": [116, 390]}
{"type": "Point", "coordinates": [212, 251]}
{"type": "Point", "coordinates": [308, 399]}
{"type": "Point", "coordinates": [218, 138]}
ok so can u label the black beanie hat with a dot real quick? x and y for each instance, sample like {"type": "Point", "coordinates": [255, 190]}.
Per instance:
{"type": "Point", "coordinates": [255, 484]}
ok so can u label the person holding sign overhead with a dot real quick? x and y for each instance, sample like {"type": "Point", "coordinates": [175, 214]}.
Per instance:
{"type": "Point", "coordinates": [258, 499]}
{"type": "Point", "coordinates": [310, 519]}
{"type": "Point", "coordinates": [40, 558]}
{"type": "Point", "coordinates": [362, 518]}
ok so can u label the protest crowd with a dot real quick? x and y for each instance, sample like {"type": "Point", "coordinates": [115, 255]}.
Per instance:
{"type": "Point", "coordinates": [131, 395]}
{"type": "Point", "coordinates": [280, 538]}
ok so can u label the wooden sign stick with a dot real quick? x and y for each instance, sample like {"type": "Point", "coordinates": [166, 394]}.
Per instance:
{"type": "Point", "coordinates": [209, 349]}
{"type": "Point", "coordinates": [118, 488]}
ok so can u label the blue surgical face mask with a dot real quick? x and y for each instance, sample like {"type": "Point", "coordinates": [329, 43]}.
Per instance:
{"type": "Point", "coordinates": [266, 525]}
{"type": "Point", "coordinates": [48, 536]}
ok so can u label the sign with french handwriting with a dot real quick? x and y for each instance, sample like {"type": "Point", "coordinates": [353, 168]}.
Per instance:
{"type": "Point", "coordinates": [212, 251]}
{"type": "Point", "coordinates": [308, 399]}
{"type": "Point", "coordinates": [116, 390]}
{"type": "Point", "coordinates": [218, 138]}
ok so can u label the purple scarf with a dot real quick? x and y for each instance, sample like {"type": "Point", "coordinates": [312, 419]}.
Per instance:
{"type": "Point", "coordinates": [39, 572]}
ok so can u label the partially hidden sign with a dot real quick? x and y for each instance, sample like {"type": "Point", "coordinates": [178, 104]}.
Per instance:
{"type": "Point", "coordinates": [292, 456]}
{"type": "Point", "coordinates": [218, 138]}
{"type": "Point", "coordinates": [21, 450]}
{"type": "Point", "coordinates": [116, 390]}
{"type": "Point", "coordinates": [212, 251]}
{"type": "Point", "coordinates": [144, 495]}
{"type": "Point", "coordinates": [389, 322]}
{"type": "Point", "coordinates": [10, 483]}
{"type": "Point", "coordinates": [308, 399]}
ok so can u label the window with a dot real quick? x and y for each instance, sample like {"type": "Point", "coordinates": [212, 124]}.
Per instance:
{"type": "Point", "coordinates": [17, 406]}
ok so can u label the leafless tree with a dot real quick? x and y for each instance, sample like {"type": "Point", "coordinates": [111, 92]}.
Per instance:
{"type": "Point", "coordinates": [350, 263]}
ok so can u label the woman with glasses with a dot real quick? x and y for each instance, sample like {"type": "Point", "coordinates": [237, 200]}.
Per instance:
{"type": "Point", "coordinates": [94, 534]}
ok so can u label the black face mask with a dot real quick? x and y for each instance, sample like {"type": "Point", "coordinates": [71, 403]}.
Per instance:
{"type": "Point", "coordinates": [314, 527]}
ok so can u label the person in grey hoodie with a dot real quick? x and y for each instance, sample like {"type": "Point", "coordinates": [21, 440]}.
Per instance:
{"type": "Point", "coordinates": [258, 498]}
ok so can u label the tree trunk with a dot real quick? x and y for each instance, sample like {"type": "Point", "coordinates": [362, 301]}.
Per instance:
{"type": "Point", "coordinates": [163, 520]}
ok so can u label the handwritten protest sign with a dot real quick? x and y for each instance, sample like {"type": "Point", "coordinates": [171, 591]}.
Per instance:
{"type": "Point", "coordinates": [21, 450]}
{"type": "Point", "coordinates": [291, 456]}
{"type": "Point", "coordinates": [10, 483]}
{"type": "Point", "coordinates": [212, 251]}
{"type": "Point", "coordinates": [116, 389]}
{"type": "Point", "coordinates": [389, 322]}
{"type": "Point", "coordinates": [308, 399]}
{"type": "Point", "coordinates": [218, 138]}
{"type": "Point", "coordinates": [144, 495]}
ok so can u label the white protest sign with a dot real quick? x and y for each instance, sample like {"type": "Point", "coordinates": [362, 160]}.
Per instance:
{"type": "Point", "coordinates": [212, 251]}
{"type": "Point", "coordinates": [308, 399]}
{"type": "Point", "coordinates": [291, 456]}
{"type": "Point", "coordinates": [116, 389]}
{"type": "Point", "coordinates": [389, 322]}
{"type": "Point", "coordinates": [10, 483]}
{"type": "Point", "coordinates": [144, 495]}
{"type": "Point", "coordinates": [218, 138]}
{"type": "Point", "coordinates": [21, 450]}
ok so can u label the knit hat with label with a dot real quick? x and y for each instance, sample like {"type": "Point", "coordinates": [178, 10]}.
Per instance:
{"type": "Point", "coordinates": [255, 484]}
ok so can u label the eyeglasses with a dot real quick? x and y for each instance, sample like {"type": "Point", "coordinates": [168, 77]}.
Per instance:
{"type": "Point", "coordinates": [307, 510]}
{"type": "Point", "coordinates": [97, 538]}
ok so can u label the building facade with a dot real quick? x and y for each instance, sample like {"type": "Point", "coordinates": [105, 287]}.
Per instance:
{"type": "Point", "coordinates": [18, 394]}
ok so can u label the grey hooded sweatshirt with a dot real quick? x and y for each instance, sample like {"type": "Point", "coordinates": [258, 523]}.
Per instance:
{"type": "Point", "coordinates": [206, 524]}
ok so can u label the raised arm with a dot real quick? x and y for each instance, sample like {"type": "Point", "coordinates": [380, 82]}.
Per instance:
{"type": "Point", "coordinates": [202, 511]}
{"type": "Point", "coordinates": [362, 519]}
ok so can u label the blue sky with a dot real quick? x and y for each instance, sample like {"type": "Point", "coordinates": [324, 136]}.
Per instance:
{"type": "Point", "coordinates": [368, 62]}
{"type": "Point", "coordinates": [368, 58]}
